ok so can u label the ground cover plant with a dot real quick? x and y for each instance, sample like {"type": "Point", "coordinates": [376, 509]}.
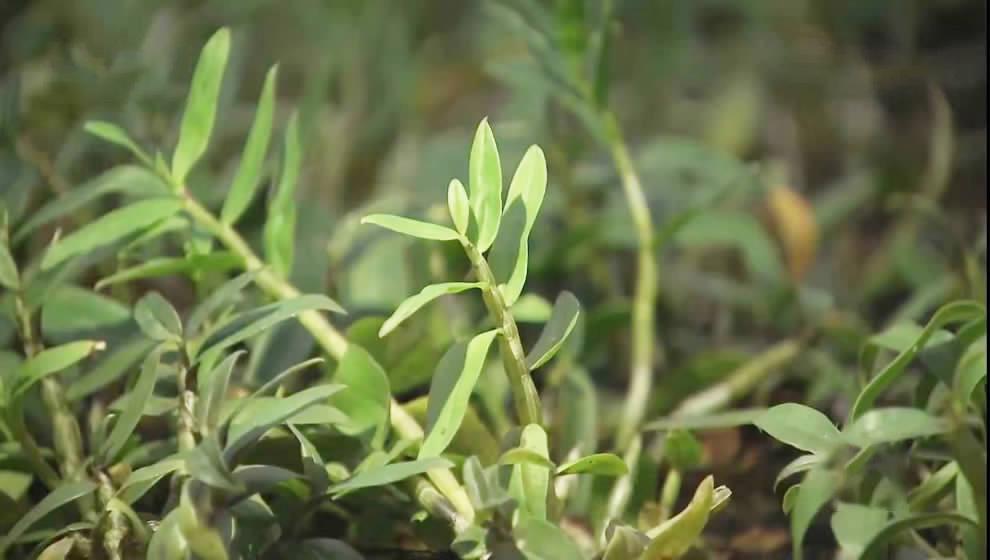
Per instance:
{"type": "Point", "coordinates": [554, 342]}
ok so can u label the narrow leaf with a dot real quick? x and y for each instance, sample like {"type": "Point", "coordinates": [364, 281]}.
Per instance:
{"type": "Point", "coordinates": [389, 474]}
{"type": "Point", "coordinates": [116, 135]}
{"type": "Point", "coordinates": [260, 416]}
{"type": "Point", "coordinates": [9, 278]}
{"type": "Point", "coordinates": [708, 421]}
{"type": "Point", "coordinates": [138, 398]}
{"type": "Point", "coordinates": [562, 320]}
{"type": "Point", "coordinates": [817, 488]}
{"type": "Point", "coordinates": [509, 256]}
{"type": "Point", "coordinates": [64, 494]}
{"type": "Point", "coordinates": [911, 522]}
{"type": "Point", "coordinates": [458, 205]}
{"type": "Point", "coordinates": [485, 172]}
{"type": "Point", "coordinates": [604, 464]}
{"type": "Point", "coordinates": [365, 399]}
{"type": "Point", "coordinates": [524, 456]}
{"type": "Point", "coordinates": [246, 181]}
{"type": "Point", "coordinates": [109, 228]}
{"type": "Point", "coordinates": [450, 390]}
{"type": "Point", "coordinates": [279, 233]}
{"type": "Point", "coordinates": [414, 228]}
{"type": "Point", "coordinates": [117, 362]}
{"type": "Point", "coordinates": [213, 393]}
{"type": "Point", "coordinates": [223, 296]}
{"type": "Point", "coordinates": [53, 360]}
{"type": "Point", "coordinates": [529, 483]}
{"type": "Point", "coordinates": [542, 540]}
{"type": "Point", "coordinates": [412, 304]}
{"type": "Point", "coordinates": [220, 261]}
{"type": "Point", "coordinates": [674, 537]}
{"type": "Point", "coordinates": [201, 105]}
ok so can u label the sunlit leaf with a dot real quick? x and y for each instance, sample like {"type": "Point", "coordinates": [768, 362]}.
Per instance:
{"type": "Point", "coordinates": [855, 525]}
{"type": "Point", "coordinates": [52, 360]}
{"type": "Point", "coordinates": [509, 256]}
{"type": "Point", "coordinates": [389, 474]}
{"type": "Point", "coordinates": [201, 105]}
{"type": "Point", "coordinates": [888, 425]}
{"type": "Point", "coordinates": [485, 185]}
{"type": "Point", "coordinates": [801, 427]}
{"type": "Point", "coordinates": [116, 135]}
{"type": "Point", "coordinates": [602, 464]}
{"type": "Point", "coordinates": [280, 227]}
{"type": "Point", "coordinates": [412, 304]}
{"type": "Point", "coordinates": [414, 228]}
{"type": "Point", "coordinates": [816, 489]}
{"type": "Point", "coordinates": [529, 483]}
{"type": "Point", "coordinates": [524, 456]}
{"type": "Point", "coordinates": [458, 205]}
{"type": "Point", "coordinates": [674, 537]}
{"type": "Point", "coordinates": [450, 390]}
{"type": "Point", "coordinates": [539, 539]}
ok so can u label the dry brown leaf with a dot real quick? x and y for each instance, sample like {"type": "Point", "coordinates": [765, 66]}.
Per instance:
{"type": "Point", "coordinates": [794, 223]}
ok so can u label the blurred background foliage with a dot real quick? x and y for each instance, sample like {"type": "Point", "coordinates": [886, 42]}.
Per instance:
{"type": "Point", "coordinates": [830, 154]}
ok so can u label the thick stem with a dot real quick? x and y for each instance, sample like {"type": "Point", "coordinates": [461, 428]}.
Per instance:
{"type": "Point", "coordinates": [645, 291]}
{"type": "Point", "coordinates": [327, 337]}
{"type": "Point", "coordinates": [524, 395]}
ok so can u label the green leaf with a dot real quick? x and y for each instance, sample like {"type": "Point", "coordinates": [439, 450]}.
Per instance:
{"type": "Point", "coordinates": [64, 494]}
{"type": "Point", "coordinates": [529, 483]}
{"type": "Point", "coordinates": [738, 230]}
{"type": "Point", "coordinates": [207, 464]}
{"type": "Point", "coordinates": [130, 179]}
{"type": "Point", "coordinates": [672, 538]}
{"type": "Point", "coordinates": [246, 181]}
{"type": "Point", "coordinates": [117, 362]}
{"type": "Point", "coordinates": [220, 261]}
{"type": "Point", "coordinates": [524, 456]}
{"type": "Point", "coordinates": [509, 256]}
{"type": "Point", "coordinates": [801, 427]}
{"type": "Point", "coordinates": [412, 304]}
{"type": "Point", "coordinates": [141, 480]}
{"type": "Point", "coordinates": [888, 425]}
{"type": "Point", "coordinates": [257, 321]}
{"type": "Point", "coordinates": [855, 525]}
{"type": "Point", "coordinates": [9, 278]}
{"type": "Point", "coordinates": [313, 464]}
{"type": "Point", "coordinates": [707, 421]}
{"type": "Point", "coordinates": [602, 464]}
{"type": "Point", "coordinates": [911, 522]}
{"type": "Point", "coordinates": [259, 416]}
{"type": "Point", "coordinates": [485, 174]}
{"type": "Point", "coordinates": [933, 488]}
{"type": "Point", "coordinates": [388, 474]}
{"type": "Point", "coordinates": [682, 450]}
{"type": "Point", "coordinates": [816, 489]}
{"type": "Point", "coordinates": [799, 465]}
{"type": "Point", "coordinates": [450, 390]}
{"type": "Point", "coordinates": [366, 399]}
{"type": "Point", "coordinates": [325, 549]}
{"type": "Point", "coordinates": [459, 205]}
{"type": "Point", "coordinates": [270, 385]}
{"type": "Point", "coordinates": [531, 308]}
{"type": "Point", "coordinates": [129, 418]}
{"type": "Point", "coordinates": [414, 228]}
{"type": "Point", "coordinates": [201, 105]}
{"type": "Point", "coordinates": [157, 318]}
{"type": "Point", "coordinates": [971, 369]}
{"type": "Point", "coordinates": [623, 543]}
{"type": "Point", "coordinates": [69, 312]}
{"type": "Point", "coordinates": [52, 360]}
{"type": "Point", "coordinates": [280, 227]}
{"type": "Point", "coordinates": [956, 312]}
{"type": "Point", "coordinates": [203, 538]}
{"type": "Point", "coordinates": [58, 550]}
{"type": "Point", "coordinates": [109, 228]}
{"type": "Point", "coordinates": [213, 392]}
{"type": "Point", "coordinates": [223, 296]}
{"type": "Point", "coordinates": [562, 320]}
{"type": "Point", "coordinates": [167, 543]}
{"type": "Point", "coordinates": [539, 539]}
{"type": "Point", "coordinates": [116, 135]}
{"type": "Point", "coordinates": [482, 485]}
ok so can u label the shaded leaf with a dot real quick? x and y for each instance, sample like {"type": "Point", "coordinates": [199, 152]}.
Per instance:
{"type": "Point", "coordinates": [117, 362]}
{"type": "Point", "coordinates": [219, 261]}
{"type": "Point", "coordinates": [912, 522]}
{"type": "Point", "coordinates": [9, 278]}
{"type": "Point", "coordinates": [563, 318]}
{"type": "Point", "coordinates": [116, 135]}
{"type": "Point", "coordinates": [524, 456]}
{"type": "Point", "coordinates": [259, 416]}
{"type": "Point", "coordinates": [52, 360]}
{"type": "Point", "coordinates": [130, 416]}
{"type": "Point", "coordinates": [213, 392]}
{"type": "Point", "coordinates": [223, 296]}
{"type": "Point", "coordinates": [539, 539]}
{"type": "Point", "coordinates": [109, 228]}
{"type": "Point", "coordinates": [365, 399]}
{"type": "Point", "coordinates": [388, 474]}
{"type": "Point", "coordinates": [64, 494]}
{"type": "Point", "coordinates": [157, 318]}
{"type": "Point", "coordinates": [855, 525]}
{"type": "Point", "coordinates": [529, 483]}
{"type": "Point", "coordinates": [816, 489]}
{"type": "Point", "coordinates": [246, 181]}
{"type": "Point", "coordinates": [279, 232]}
{"type": "Point", "coordinates": [707, 421]}
{"type": "Point", "coordinates": [674, 537]}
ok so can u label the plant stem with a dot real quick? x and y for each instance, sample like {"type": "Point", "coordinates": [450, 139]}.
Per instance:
{"type": "Point", "coordinates": [645, 291]}
{"type": "Point", "coordinates": [669, 493]}
{"type": "Point", "coordinates": [524, 395]}
{"type": "Point", "coordinates": [326, 336]}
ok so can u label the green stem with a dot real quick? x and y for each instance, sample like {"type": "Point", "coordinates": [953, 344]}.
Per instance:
{"type": "Point", "coordinates": [524, 395]}
{"type": "Point", "coordinates": [645, 291]}
{"type": "Point", "coordinates": [326, 336]}
{"type": "Point", "coordinates": [669, 493]}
